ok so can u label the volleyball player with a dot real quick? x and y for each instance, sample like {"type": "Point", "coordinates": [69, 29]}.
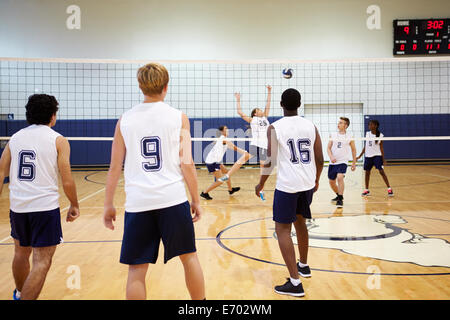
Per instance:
{"type": "Point", "coordinates": [294, 143]}
{"type": "Point", "coordinates": [374, 156]}
{"type": "Point", "coordinates": [32, 159]}
{"type": "Point", "coordinates": [214, 165]}
{"type": "Point", "coordinates": [258, 123]}
{"type": "Point", "coordinates": [154, 140]}
{"type": "Point", "coordinates": [340, 148]}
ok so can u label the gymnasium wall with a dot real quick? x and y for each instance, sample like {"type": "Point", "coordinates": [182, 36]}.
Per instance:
{"type": "Point", "coordinates": [206, 29]}
{"type": "Point", "coordinates": [92, 96]}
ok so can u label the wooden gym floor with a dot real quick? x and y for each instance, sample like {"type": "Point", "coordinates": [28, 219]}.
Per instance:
{"type": "Point", "coordinates": [374, 248]}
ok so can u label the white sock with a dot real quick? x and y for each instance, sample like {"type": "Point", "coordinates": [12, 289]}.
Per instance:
{"type": "Point", "coordinates": [17, 294]}
{"type": "Point", "coordinates": [301, 265]}
{"type": "Point", "coordinates": [295, 282]}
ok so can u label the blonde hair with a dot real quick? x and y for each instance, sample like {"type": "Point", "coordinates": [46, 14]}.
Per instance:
{"type": "Point", "coordinates": [152, 78]}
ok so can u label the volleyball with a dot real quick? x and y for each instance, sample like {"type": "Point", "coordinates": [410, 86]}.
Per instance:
{"type": "Point", "coordinates": [287, 73]}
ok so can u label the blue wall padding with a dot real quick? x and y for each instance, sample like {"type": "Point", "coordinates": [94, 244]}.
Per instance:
{"type": "Point", "coordinates": [91, 153]}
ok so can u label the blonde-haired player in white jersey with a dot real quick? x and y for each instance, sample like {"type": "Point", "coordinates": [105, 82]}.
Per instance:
{"type": "Point", "coordinates": [154, 140]}
{"type": "Point", "coordinates": [32, 159]}
{"type": "Point", "coordinates": [340, 148]}
{"type": "Point", "coordinates": [294, 145]}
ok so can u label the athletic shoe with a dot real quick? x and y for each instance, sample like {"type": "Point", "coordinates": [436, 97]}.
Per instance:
{"type": "Point", "coordinates": [233, 190]}
{"type": "Point", "coordinates": [365, 193]}
{"type": "Point", "coordinates": [289, 289]}
{"type": "Point", "coordinates": [336, 199]}
{"type": "Point", "coordinates": [223, 178]}
{"type": "Point", "coordinates": [390, 192]}
{"type": "Point", "coordinates": [305, 272]}
{"type": "Point", "coordinates": [205, 196]}
{"type": "Point", "coordinates": [15, 295]}
{"type": "Point", "coordinates": [339, 203]}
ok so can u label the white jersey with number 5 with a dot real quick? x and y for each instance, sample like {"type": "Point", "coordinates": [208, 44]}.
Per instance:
{"type": "Point", "coordinates": [153, 178]}
{"type": "Point", "coordinates": [33, 172]}
{"type": "Point", "coordinates": [373, 146]}
{"type": "Point", "coordinates": [296, 160]}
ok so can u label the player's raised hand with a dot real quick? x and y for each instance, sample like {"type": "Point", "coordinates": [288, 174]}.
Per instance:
{"type": "Point", "coordinates": [109, 215]}
{"type": "Point", "coordinates": [237, 95]}
{"type": "Point", "coordinates": [269, 87]}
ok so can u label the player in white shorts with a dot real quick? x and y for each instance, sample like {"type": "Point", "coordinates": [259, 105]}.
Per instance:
{"type": "Point", "coordinates": [295, 146]}
{"type": "Point", "coordinates": [154, 140]}
{"type": "Point", "coordinates": [32, 159]}
{"type": "Point", "coordinates": [214, 162]}
{"type": "Point", "coordinates": [258, 124]}
{"type": "Point", "coordinates": [340, 148]}
{"type": "Point", "coordinates": [374, 156]}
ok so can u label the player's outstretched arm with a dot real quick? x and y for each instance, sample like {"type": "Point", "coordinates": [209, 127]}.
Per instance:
{"type": "Point", "coordinates": [318, 158]}
{"type": "Point", "coordinates": [70, 190]}
{"type": "Point", "coordinates": [269, 98]}
{"type": "Point", "coordinates": [382, 153]}
{"type": "Point", "coordinates": [5, 164]}
{"type": "Point", "coordinates": [353, 147]}
{"type": "Point", "coordinates": [361, 154]}
{"type": "Point", "coordinates": [188, 168]}
{"type": "Point", "coordinates": [239, 109]}
{"type": "Point", "coordinates": [330, 154]}
{"type": "Point", "coordinates": [118, 152]}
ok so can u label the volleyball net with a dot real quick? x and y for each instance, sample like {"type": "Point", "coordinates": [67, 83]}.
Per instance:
{"type": "Point", "coordinates": [408, 96]}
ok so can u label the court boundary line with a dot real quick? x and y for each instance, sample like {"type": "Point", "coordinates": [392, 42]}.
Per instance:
{"type": "Point", "coordinates": [223, 246]}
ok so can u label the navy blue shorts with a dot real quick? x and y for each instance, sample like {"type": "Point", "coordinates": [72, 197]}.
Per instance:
{"type": "Point", "coordinates": [286, 206]}
{"type": "Point", "coordinates": [36, 229]}
{"type": "Point", "coordinates": [334, 169]}
{"type": "Point", "coordinates": [144, 230]}
{"type": "Point", "coordinates": [376, 161]}
{"type": "Point", "coordinates": [212, 167]}
{"type": "Point", "coordinates": [260, 153]}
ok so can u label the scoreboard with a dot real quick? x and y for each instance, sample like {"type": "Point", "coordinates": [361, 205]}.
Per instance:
{"type": "Point", "coordinates": [421, 37]}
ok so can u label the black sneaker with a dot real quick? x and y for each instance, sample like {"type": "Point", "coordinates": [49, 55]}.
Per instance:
{"type": "Point", "coordinates": [205, 196]}
{"type": "Point", "coordinates": [289, 289]}
{"type": "Point", "coordinates": [305, 272]}
{"type": "Point", "coordinates": [340, 203]}
{"type": "Point", "coordinates": [335, 199]}
{"type": "Point", "coordinates": [233, 190]}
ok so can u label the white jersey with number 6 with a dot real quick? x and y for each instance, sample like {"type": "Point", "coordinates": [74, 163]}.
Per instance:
{"type": "Point", "coordinates": [296, 160]}
{"type": "Point", "coordinates": [153, 178]}
{"type": "Point", "coordinates": [33, 172]}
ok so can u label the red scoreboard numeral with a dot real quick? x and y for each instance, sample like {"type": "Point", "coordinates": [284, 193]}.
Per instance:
{"type": "Point", "coordinates": [402, 47]}
{"type": "Point", "coordinates": [406, 29]}
{"type": "Point", "coordinates": [414, 47]}
{"type": "Point", "coordinates": [438, 24]}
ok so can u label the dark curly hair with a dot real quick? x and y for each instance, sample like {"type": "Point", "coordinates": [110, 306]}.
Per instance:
{"type": "Point", "coordinates": [40, 108]}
